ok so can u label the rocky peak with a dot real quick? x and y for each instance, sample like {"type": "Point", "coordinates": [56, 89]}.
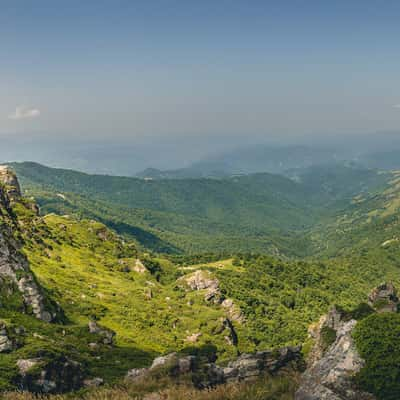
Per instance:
{"type": "Point", "coordinates": [9, 179]}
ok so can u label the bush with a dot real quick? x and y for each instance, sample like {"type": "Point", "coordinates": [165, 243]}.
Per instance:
{"type": "Point", "coordinates": [377, 338]}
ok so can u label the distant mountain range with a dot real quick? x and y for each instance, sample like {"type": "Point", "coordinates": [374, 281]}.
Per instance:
{"type": "Point", "coordinates": [275, 160]}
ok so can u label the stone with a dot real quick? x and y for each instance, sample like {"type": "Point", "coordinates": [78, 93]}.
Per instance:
{"type": "Point", "coordinates": [200, 280]}
{"type": "Point", "coordinates": [94, 382]}
{"type": "Point", "coordinates": [164, 360]}
{"type": "Point", "coordinates": [106, 334]}
{"type": "Point", "coordinates": [24, 365]}
{"type": "Point", "coordinates": [136, 373]}
{"type": "Point", "coordinates": [384, 298]}
{"type": "Point", "coordinates": [330, 371]}
{"type": "Point", "coordinates": [6, 344]}
{"type": "Point", "coordinates": [139, 267]}
{"type": "Point", "coordinates": [193, 338]}
{"type": "Point", "coordinates": [206, 374]}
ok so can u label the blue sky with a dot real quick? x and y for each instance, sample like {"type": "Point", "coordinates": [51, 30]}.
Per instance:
{"type": "Point", "coordinates": [157, 69]}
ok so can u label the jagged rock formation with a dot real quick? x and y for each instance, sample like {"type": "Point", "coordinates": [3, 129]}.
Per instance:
{"type": "Point", "coordinates": [10, 182]}
{"type": "Point", "coordinates": [208, 374]}
{"type": "Point", "coordinates": [14, 269]}
{"type": "Point", "coordinates": [384, 298]}
{"type": "Point", "coordinates": [334, 359]}
{"type": "Point", "coordinates": [203, 280]}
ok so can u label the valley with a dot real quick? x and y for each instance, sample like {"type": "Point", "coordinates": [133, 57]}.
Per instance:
{"type": "Point", "coordinates": [106, 251]}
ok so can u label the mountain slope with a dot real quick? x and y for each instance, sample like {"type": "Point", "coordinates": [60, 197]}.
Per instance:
{"type": "Point", "coordinates": [260, 212]}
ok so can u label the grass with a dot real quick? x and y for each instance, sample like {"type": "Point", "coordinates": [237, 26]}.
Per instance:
{"type": "Point", "coordinates": [267, 388]}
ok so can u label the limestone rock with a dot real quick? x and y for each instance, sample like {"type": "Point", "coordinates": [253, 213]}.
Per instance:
{"type": "Point", "coordinates": [330, 371]}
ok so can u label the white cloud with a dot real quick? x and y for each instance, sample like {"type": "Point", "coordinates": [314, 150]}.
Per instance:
{"type": "Point", "coordinates": [22, 112]}
{"type": "Point", "coordinates": [396, 106]}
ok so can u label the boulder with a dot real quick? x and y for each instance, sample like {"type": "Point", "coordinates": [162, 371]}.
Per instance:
{"type": "Point", "coordinates": [139, 267]}
{"type": "Point", "coordinates": [56, 376]}
{"type": "Point", "coordinates": [93, 382]}
{"type": "Point", "coordinates": [106, 334]}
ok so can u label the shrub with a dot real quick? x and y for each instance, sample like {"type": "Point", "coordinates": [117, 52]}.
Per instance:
{"type": "Point", "coordinates": [377, 338]}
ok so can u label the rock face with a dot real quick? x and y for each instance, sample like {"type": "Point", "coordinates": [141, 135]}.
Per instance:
{"type": "Point", "coordinates": [57, 376]}
{"type": "Point", "coordinates": [10, 181]}
{"type": "Point", "coordinates": [206, 374]}
{"type": "Point", "coordinates": [332, 365]}
{"type": "Point", "coordinates": [14, 269]}
{"type": "Point", "coordinates": [6, 344]}
{"type": "Point", "coordinates": [384, 298]}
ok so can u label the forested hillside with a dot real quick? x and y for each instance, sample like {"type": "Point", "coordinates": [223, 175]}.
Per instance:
{"type": "Point", "coordinates": [263, 213]}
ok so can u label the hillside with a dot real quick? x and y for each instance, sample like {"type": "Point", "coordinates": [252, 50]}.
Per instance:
{"type": "Point", "coordinates": [139, 306]}
{"type": "Point", "coordinates": [263, 213]}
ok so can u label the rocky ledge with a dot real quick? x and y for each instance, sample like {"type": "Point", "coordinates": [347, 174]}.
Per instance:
{"type": "Point", "coordinates": [208, 374]}
{"type": "Point", "coordinates": [15, 273]}
{"type": "Point", "coordinates": [334, 359]}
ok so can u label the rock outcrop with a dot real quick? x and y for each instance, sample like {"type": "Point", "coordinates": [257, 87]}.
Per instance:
{"type": "Point", "coordinates": [106, 335]}
{"type": "Point", "coordinates": [203, 280]}
{"type": "Point", "coordinates": [6, 344]}
{"type": "Point", "coordinates": [206, 374]}
{"type": "Point", "coordinates": [15, 273]}
{"type": "Point", "coordinates": [57, 376]}
{"type": "Point", "coordinates": [334, 359]}
{"type": "Point", "coordinates": [384, 298]}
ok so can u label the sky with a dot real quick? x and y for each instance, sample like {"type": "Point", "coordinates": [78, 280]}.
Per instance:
{"type": "Point", "coordinates": [199, 74]}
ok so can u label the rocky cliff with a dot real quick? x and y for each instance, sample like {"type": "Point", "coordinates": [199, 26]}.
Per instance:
{"type": "Point", "coordinates": [334, 360]}
{"type": "Point", "coordinates": [15, 274]}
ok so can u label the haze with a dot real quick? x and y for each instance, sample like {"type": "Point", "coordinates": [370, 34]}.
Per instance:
{"type": "Point", "coordinates": [165, 83]}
